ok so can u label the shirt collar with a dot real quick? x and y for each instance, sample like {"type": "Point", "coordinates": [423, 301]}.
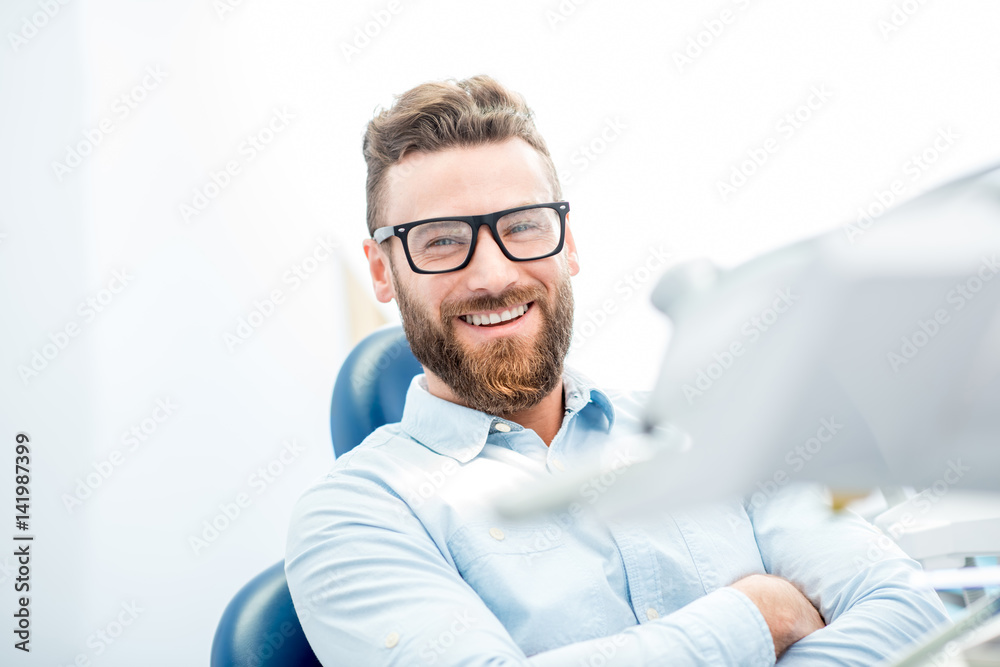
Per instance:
{"type": "Point", "coordinates": [460, 432]}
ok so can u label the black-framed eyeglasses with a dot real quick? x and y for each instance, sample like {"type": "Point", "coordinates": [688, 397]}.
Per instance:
{"type": "Point", "coordinates": [440, 245]}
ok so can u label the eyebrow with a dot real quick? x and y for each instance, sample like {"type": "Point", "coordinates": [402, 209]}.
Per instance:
{"type": "Point", "coordinates": [523, 203]}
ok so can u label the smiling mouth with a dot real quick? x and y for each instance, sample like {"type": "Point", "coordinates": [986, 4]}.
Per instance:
{"type": "Point", "coordinates": [497, 317]}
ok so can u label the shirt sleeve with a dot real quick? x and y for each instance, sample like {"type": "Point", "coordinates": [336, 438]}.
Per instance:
{"type": "Point", "coordinates": [856, 576]}
{"type": "Point", "coordinates": [371, 587]}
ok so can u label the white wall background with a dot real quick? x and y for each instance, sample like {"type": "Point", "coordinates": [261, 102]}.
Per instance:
{"type": "Point", "coordinates": [226, 70]}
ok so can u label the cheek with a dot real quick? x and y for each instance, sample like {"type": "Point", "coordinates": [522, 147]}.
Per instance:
{"type": "Point", "coordinates": [431, 304]}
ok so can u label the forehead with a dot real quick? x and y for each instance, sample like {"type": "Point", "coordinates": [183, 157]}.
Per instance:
{"type": "Point", "coordinates": [466, 180]}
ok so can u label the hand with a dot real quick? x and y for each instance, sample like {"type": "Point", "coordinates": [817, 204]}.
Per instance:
{"type": "Point", "coordinates": [787, 612]}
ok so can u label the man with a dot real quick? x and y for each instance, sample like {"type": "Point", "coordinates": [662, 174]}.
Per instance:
{"type": "Point", "coordinates": [396, 557]}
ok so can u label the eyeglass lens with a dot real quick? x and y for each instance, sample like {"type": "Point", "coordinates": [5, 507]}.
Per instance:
{"type": "Point", "coordinates": [444, 245]}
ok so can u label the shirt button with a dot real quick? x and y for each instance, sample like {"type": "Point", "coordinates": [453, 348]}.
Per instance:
{"type": "Point", "coordinates": [392, 639]}
{"type": "Point", "coordinates": [503, 428]}
{"type": "Point", "coordinates": [652, 614]}
{"type": "Point", "coordinates": [558, 464]}
{"type": "Point", "coordinates": [496, 534]}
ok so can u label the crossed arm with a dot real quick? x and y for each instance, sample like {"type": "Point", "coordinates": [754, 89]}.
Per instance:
{"type": "Point", "coordinates": [371, 587]}
{"type": "Point", "coordinates": [855, 575]}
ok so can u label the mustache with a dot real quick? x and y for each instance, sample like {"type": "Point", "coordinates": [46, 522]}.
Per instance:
{"type": "Point", "coordinates": [512, 297]}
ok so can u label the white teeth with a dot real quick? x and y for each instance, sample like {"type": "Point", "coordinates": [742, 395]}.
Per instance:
{"type": "Point", "coordinates": [494, 318]}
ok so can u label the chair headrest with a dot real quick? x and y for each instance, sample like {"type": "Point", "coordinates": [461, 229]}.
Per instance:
{"type": "Point", "coordinates": [371, 387]}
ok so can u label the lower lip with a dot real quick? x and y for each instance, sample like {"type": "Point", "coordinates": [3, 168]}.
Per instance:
{"type": "Point", "coordinates": [502, 329]}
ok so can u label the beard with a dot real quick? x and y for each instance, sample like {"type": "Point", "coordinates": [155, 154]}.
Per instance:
{"type": "Point", "coordinates": [501, 376]}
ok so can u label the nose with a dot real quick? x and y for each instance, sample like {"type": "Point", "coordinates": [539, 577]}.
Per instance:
{"type": "Point", "coordinates": [489, 269]}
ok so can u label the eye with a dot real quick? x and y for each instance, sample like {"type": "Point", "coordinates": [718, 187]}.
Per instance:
{"type": "Point", "coordinates": [440, 237]}
{"type": "Point", "coordinates": [519, 226]}
{"type": "Point", "coordinates": [522, 227]}
{"type": "Point", "coordinates": [441, 242]}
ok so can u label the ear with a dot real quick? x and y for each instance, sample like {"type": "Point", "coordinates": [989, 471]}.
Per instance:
{"type": "Point", "coordinates": [572, 258]}
{"type": "Point", "coordinates": [378, 266]}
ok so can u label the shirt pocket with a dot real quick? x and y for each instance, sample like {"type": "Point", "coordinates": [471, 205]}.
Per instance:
{"type": "Point", "coordinates": [534, 578]}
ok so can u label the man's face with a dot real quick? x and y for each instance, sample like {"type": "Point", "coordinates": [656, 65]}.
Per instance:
{"type": "Point", "coordinates": [501, 368]}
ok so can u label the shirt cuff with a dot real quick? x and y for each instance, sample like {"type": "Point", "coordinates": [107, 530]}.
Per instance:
{"type": "Point", "coordinates": [733, 628]}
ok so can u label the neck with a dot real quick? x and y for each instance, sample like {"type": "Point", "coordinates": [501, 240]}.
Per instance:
{"type": "Point", "coordinates": [545, 418]}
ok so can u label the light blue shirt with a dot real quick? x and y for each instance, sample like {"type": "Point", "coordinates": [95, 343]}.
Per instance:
{"type": "Point", "coordinates": [396, 557]}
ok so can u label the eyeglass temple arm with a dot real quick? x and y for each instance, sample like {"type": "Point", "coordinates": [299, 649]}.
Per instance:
{"type": "Point", "coordinates": [382, 233]}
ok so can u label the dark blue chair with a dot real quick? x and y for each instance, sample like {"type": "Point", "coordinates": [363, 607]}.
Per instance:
{"type": "Point", "coordinates": [259, 627]}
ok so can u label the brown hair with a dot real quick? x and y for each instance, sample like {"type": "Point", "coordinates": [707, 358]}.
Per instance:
{"type": "Point", "coordinates": [444, 114]}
